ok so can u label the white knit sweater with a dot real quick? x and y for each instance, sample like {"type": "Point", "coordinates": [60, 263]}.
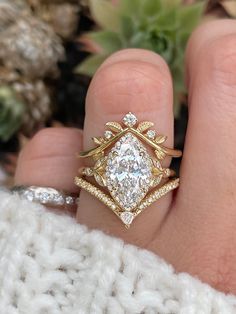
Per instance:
{"type": "Point", "coordinates": [49, 264]}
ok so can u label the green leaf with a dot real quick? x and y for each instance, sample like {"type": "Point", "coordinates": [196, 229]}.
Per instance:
{"type": "Point", "coordinates": [169, 4]}
{"type": "Point", "coordinates": [178, 76]}
{"type": "Point", "coordinates": [138, 40]}
{"type": "Point", "coordinates": [90, 65]}
{"type": "Point", "coordinates": [11, 113]}
{"type": "Point", "coordinates": [107, 40]}
{"type": "Point", "coordinates": [167, 20]}
{"type": "Point", "coordinates": [151, 7]}
{"type": "Point", "coordinates": [130, 7]}
{"type": "Point", "coordinates": [190, 15]}
{"type": "Point", "coordinates": [181, 39]}
{"type": "Point", "coordinates": [105, 14]}
{"type": "Point", "coordinates": [127, 27]}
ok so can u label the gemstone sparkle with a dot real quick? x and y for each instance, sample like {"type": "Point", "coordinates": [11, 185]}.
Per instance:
{"type": "Point", "coordinates": [128, 172]}
{"type": "Point", "coordinates": [108, 134]}
{"type": "Point", "coordinates": [130, 119]}
{"type": "Point", "coordinates": [127, 217]}
{"type": "Point", "coordinates": [151, 134]}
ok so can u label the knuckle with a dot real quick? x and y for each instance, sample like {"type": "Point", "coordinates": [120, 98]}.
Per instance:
{"type": "Point", "coordinates": [219, 58]}
{"type": "Point", "coordinates": [141, 55]}
{"type": "Point", "coordinates": [41, 143]}
{"type": "Point", "coordinates": [51, 142]}
{"type": "Point", "coordinates": [210, 29]}
{"type": "Point", "coordinates": [223, 53]}
{"type": "Point", "coordinates": [131, 80]}
{"type": "Point", "coordinates": [41, 136]}
{"type": "Point", "coordinates": [36, 144]}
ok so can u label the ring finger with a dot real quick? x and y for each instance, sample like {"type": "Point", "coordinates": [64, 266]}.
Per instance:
{"type": "Point", "coordinates": [138, 81]}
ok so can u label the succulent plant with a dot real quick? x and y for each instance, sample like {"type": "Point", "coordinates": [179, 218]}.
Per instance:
{"type": "Point", "coordinates": [11, 113]}
{"type": "Point", "coordinates": [162, 26]}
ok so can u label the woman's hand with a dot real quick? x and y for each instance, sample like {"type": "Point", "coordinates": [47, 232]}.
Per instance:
{"type": "Point", "coordinates": [196, 230]}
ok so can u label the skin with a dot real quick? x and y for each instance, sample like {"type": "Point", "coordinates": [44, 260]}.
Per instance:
{"type": "Point", "coordinates": [194, 229]}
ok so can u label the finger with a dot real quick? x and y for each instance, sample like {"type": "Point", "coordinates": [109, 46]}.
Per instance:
{"type": "Point", "coordinates": [206, 198]}
{"type": "Point", "coordinates": [131, 80]}
{"type": "Point", "coordinates": [204, 35]}
{"type": "Point", "coordinates": [209, 150]}
{"type": "Point", "coordinates": [49, 159]}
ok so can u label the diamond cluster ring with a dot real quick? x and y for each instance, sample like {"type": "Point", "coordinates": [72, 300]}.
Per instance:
{"type": "Point", "coordinates": [46, 196]}
{"type": "Point", "coordinates": [127, 174]}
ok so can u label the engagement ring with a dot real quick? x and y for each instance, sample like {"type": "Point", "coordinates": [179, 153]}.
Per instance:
{"type": "Point", "coordinates": [128, 170]}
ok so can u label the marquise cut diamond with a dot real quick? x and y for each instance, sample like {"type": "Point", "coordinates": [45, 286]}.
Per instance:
{"type": "Point", "coordinates": [128, 172]}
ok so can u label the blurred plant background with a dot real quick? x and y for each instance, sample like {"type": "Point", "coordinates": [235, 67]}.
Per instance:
{"type": "Point", "coordinates": [49, 50]}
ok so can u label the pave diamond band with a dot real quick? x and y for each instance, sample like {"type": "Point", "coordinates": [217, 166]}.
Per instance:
{"type": "Point", "coordinates": [46, 195]}
{"type": "Point", "coordinates": [129, 172]}
{"type": "Point", "coordinates": [127, 216]}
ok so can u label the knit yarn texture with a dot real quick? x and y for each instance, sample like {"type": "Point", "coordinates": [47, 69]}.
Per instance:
{"type": "Point", "coordinates": [49, 264]}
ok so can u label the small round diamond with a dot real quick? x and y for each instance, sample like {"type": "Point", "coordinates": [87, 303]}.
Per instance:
{"type": "Point", "coordinates": [44, 197]}
{"type": "Point", "coordinates": [151, 134]}
{"type": "Point", "coordinates": [69, 200]}
{"type": "Point", "coordinates": [58, 199]}
{"type": "Point", "coordinates": [108, 134]}
{"type": "Point", "coordinates": [130, 119]}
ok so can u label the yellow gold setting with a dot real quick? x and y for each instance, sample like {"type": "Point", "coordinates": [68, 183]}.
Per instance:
{"type": "Point", "coordinates": [129, 177]}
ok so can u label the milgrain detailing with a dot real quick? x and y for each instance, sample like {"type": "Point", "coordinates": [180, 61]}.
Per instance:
{"type": "Point", "coordinates": [128, 175]}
